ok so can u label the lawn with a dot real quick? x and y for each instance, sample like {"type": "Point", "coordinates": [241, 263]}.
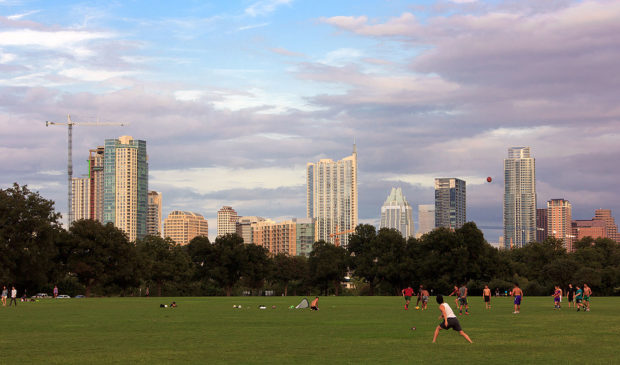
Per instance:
{"type": "Point", "coordinates": [345, 330]}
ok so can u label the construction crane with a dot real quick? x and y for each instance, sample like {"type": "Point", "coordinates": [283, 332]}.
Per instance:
{"type": "Point", "coordinates": [70, 125]}
{"type": "Point", "coordinates": [338, 234]}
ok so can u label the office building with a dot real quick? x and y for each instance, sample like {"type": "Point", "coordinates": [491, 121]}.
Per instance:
{"type": "Point", "coordinates": [80, 202]}
{"type": "Point", "coordinates": [397, 213]}
{"type": "Point", "coordinates": [589, 228]}
{"type": "Point", "coordinates": [95, 175]}
{"type": "Point", "coordinates": [182, 227]}
{"type": "Point", "coordinates": [153, 217]}
{"type": "Point", "coordinates": [304, 238]}
{"type": "Point", "coordinates": [610, 223]}
{"type": "Point", "coordinates": [519, 197]}
{"type": "Point", "coordinates": [125, 190]}
{"type": "Point", "coordinates": [426, 219]}
{"type": "Point", "coordinates": [541, 224]}
{"type": "Point", "coordinates": [332, 198]}
{"type": "Point", "coordinates": [226, 221]}
{"type": "Point", "coordinates": [559, 222]}
{"type": "Point", "coordinates": [244, 227]}
{"type": "Point", "coordinates": [450, 203]}
{"type": "Point", "coordinates": [292, 237]}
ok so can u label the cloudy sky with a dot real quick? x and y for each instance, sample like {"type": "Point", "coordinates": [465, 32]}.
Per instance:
{"type": "Point", "coordinates": [235, 97]}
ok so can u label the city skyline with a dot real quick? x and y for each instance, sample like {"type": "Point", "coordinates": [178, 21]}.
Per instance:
{"type": "Point", "coordinates": [234, 98]}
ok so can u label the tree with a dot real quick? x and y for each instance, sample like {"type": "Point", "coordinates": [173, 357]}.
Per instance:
{"type": "Point", "coordinates": [287, 269]}
{"type": "Point", "coordinates": [29, 230]}
{"type": "Point", "coordinates": [363, 253]}
{"type": "Point", "coordinates": [200, 251]}
{"type": "Point", "coordinates": [327, 264]}
{"type": "Point", "coordinates": [163, 260]}
{"type": "Point", "coordinates": [100, 255]}
{"type": "Point", "coordinates": [228, 260]}
{"type": "Point", "coordinates": [257, 267]}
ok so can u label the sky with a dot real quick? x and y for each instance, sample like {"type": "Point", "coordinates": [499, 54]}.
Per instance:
{"type": "Point", "coordinates": [235, 97]}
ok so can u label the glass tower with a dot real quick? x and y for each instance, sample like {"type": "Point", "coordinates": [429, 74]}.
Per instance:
{"type": "Point", "coordinates": [450, 203]}
{"type": "Point", "coordinates": [519, 197]}
{"type": "Point", "coordinates": [397, 213]}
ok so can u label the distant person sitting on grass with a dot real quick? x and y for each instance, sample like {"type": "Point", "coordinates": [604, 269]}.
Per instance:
{"type": "Point", "coordinates": [449, 320]}
{"type": "Point", "coordinates": [315, 304]}
{"type": "Point", "coordinates": [173, 305]}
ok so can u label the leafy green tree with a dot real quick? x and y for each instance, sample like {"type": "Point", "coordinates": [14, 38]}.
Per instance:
{"type": "Point", "coordinates": [163, 261]}
{"type": "Point", "coordinates": [100, 255]}
{"type": "Point", "coordinates": [327, 265]}
{"type": "Point", "coordinates": [257, 267]}
{"type": "Point", "coordinates": [288, 269]}
{"type": "Point", "coordinates": [200, 251]}
{"type": "Point", "coordinates": [228, 261]}
{"type": "Point", "coordinates": [29, 230]}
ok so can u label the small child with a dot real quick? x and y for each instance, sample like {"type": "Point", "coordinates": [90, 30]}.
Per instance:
{"type": "Point", "coordinates": [556, 298]}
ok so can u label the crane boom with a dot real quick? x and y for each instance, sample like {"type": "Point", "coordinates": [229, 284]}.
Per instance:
{"type": "Point", "coordinates": [70, 125]}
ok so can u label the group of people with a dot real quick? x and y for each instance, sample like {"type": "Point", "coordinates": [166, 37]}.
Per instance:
{"type": "Point", "coordinates": [5, 294]}
{"type": "Point", "coordinates": [422, 295]}
{"type": "Point", "coordinates": [577, 297]}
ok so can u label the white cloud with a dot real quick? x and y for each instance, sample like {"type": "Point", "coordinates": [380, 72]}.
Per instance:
{"type": "Point", "coordinates": [85, 74]}
{"type": "Point", "coordinates": [253, 26]}
{"type": "Point", "coordinates": [65, 39]}
{"type": "Point", "coordinates": [22, 15]}
{"type": "Point", "coordinates": [264, 7]}
{"type": "Point", "coordinates": [342, 56]}
{"type": "Point", "coordinates": [7, 57]}
{"type": "Point", "coordinates": [188, 95]}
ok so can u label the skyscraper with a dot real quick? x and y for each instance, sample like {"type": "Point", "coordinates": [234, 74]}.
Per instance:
{"type": "Point", "coordinates": [125, 185]}
{"type": "Point", "coordinates": [450, 203]}
{"type": "Point", "coordinates": [541, 224]}
{"type": "Point", "coordinates": [95, 174]}
{"type": "Point", "coordinates": [559, 222]}
{"type": "Point", "coordinates": [396, 213]}
{"type": "Point", "coordinates": [226, 221]}
{"type": "Point", "coordinates": [80, 202]}
{"type": "Point", "coordinates": [426, 219]}
{"type": "Point", "coordinates": [332, 198]}
{"type": "Point", "coordinates": [293, 237]}
{"type": "Point", "coordinates": [153, 218]}
{"type": "Point", "coordinates": [519, 197]}
{"type": "Point", "coordinates": [182, 227]}
{"type": "Point", "coordinates": [610, 223]}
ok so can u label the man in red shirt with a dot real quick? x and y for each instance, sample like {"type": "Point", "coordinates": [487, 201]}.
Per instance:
{"type": "Point", "coordinates": [407, 294]}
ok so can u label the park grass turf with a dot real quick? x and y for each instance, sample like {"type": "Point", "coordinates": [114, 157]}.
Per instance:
{"type": "Point", "coordinates": [345, 330]}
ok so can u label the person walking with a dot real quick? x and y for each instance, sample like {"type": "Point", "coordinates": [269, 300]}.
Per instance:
{"type": "Point", "coordinates": [571, 296]}
{"type": "Point", "coordinates": [486, 294]}
{"type": "Point", "coordinates": [463, 300]}
{"type": "Point", "coordinates": [13, 296]}
{"type": "Point", "coordinates": [586, 296]}
{"type": "Point", "coordinates": [517, 293]}
{"type": "Point", "coordinates": [55, 291]}
{"type": "Point", "coordinates": [5, 294]}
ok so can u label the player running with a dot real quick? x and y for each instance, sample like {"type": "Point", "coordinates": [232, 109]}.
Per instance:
{"type": "Point", "coordinates": [449, 320]}
{"type": "Point", "coordinates": [486, 294]}
{"type": "Point", "coordinates": [586, 296]}
{"type": "Point", "coordinates": [407, 293]}
{"type": "Point", "coordinates": [425, 296]}
{"type": "Point", "coordinates": [578, 297]}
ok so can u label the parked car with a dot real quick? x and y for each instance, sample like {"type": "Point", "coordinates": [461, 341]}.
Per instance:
{"type": "Point", "coordinates": [63, 296]}
{"type": "Point", "coordinates": [79, 296]}
{"type": "Point", "coordinates": [40, 295]}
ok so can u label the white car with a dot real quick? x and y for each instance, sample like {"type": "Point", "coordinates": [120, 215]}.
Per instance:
{"type": "Point", "coordinates": [62, 296]}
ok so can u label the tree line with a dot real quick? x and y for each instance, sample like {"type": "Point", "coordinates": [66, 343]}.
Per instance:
{"type": "Point", "coordinates": [89, 258]}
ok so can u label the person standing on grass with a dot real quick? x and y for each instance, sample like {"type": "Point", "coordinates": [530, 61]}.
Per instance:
{"type": "Point", "coordinates": [55, 291]}
{"type": "Point", "coordinates": [586, 296]}
{"type": "Point", "coordinates": [407, 294]}
{"type": "Point", "coordinates": [449, 320]}
{"type": "Point", "coordinates": [556, 298]}
{"type": "Point", "coordinates": [455, 292]}
{"type": "Point", "coordinates": [5, 294]}
{"type": "Point", "coordinates": [571, 295]}
{"type": "Point", "coordinates": [419, 295]}
{"type": "Point", "coordinates": [463, 300]}
{"type": "Point", "coordinates": [517, 293]}
{"type": "Point", "coordinates": [578, 297]}
{"type": "Point", "coordinates": [13, 296]}
{"type": "Point", "coordinates": [425, 296]}
{"type": "Point", "coordinates": [486, 294]}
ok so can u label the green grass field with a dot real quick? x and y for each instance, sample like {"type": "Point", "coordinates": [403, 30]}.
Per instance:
{"type": "Point", "coordinates": [345, 330]}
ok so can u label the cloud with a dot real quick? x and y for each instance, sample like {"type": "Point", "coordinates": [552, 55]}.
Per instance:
{"type": "Point", "coordinates": [286, 52]}
{"type": "Point", "coordinates": [403, 25]}
{"type": "Point", "coordinates": [265, 7]}
{"type": "Point", "coordinates": [252, 26]}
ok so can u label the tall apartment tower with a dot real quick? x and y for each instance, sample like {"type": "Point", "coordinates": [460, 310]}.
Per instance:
{"type": "Point", "coordinates": [80, 202]}
{"type": "Point", "coordinates": [519, 197]}
{"type": "Point", "coordinates": [610, 223]}
{"type": "Point", "coordinates": [559, 222]}
{"type": "Point", "coordinates": [541, 224]}
{"type": "Point", "coordinates": [95, 174]}
{"type": "Point", "coordinates": [332, 198]}
{"type": "Point", "coordinates": [450, 203]}
{"type": "Point", "coordinates": [397, 213]}
{"type": "Point", "coordinates": [426, 219]}
{"type": "Point", "coordinates": [226, 221]}
{"type": "Point", "coordinates": [125, 185]}
{"type": "Point", "coordinates": [153, 217]}
{"type": "Point", "coordinates": [244, 227]}
{"type": "Point", "coordinates": [182, 227]}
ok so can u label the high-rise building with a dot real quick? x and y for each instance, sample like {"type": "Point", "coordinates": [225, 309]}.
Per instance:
{"type": "Point", "coordinates": [226, 221]}
{"type": "Point", "coordinates": [182, 227]}
{"type": "Point", "coordinates": [559, 222]}
{"type": "Point", "coordinates": [153, 218]}
{"type": "Point", "coordinates": [541, 224]}
{"type": "Point", "coordinates": [589, 228]}
{"type": "Point", "coordinates": [519, 197]}
{"type": "Point", "coordinates": [244, 227]}
{"type": "Point", "coordinates": [610, 223]}
{"type": "Point", "coordinates": [396, 213]}
{"type": "Point", "coordinates": [80, 193]}
{"type": "Point", "coordinates": [125, 185]}
{"type": "Point", "coordinates": [293, 237]}
{"type": "Point", "coordinates": [95, 174]}
{"type": "Point", "coordinates": [450, 203]}
{"type": "Point", "coordinates": [332, 198]}
{"type": "Point", "coordinates": [426, 219]}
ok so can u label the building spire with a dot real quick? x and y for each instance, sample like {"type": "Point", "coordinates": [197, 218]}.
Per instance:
{"type": "Point", "coordinates": [354, 147]}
